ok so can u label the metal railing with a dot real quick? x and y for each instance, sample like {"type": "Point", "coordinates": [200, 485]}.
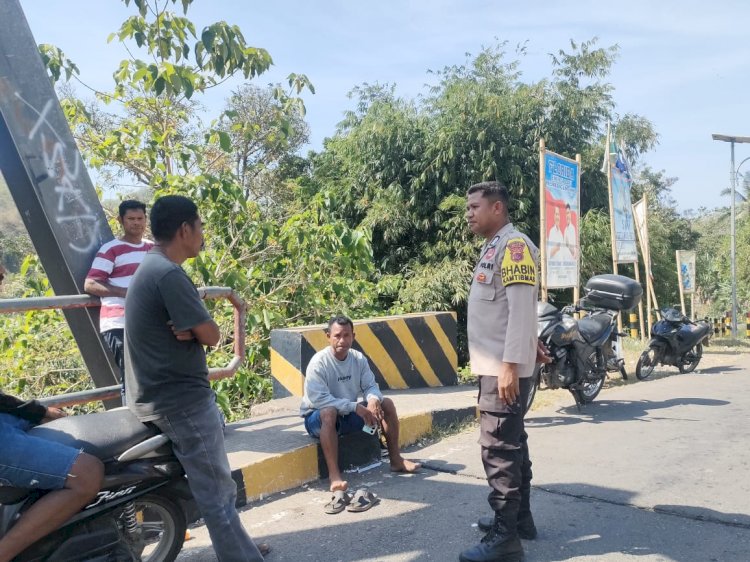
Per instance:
{"type": "Point", "coordinates": [8, 306]}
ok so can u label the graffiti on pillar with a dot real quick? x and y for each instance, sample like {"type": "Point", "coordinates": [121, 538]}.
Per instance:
{"type": "Point", "coordinates": [64, 167]}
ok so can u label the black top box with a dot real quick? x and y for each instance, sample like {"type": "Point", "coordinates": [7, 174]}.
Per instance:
{"type": "Point", "coordinates": [613, 292]}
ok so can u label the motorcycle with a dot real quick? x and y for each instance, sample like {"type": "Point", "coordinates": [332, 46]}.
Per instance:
{"type": "Point", "coordinates": [142, 510]}
{"type": "Point", "coordinates": [582, 350]}
{"type": "Point", "coordinates": [675, 341]}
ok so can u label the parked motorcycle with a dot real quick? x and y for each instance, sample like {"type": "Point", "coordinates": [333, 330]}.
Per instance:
{"type": "Point", "coordinates": [676, 341]}
{"type": "Point", "coordinates": [581, 350]}
{"type": "Point", "coordinates": [142, 510]}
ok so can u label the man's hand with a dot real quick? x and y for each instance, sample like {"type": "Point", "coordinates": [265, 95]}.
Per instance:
{"type": "Point", "coordinates": [366, 415]}
{"type": "Point", "coordinates": [181, 335]}
{"type": "Point", "coordinates": [53, 414]}
{"type": "Point", "coordinates": [508, 388]}
{"type": "Point", "coordinates": [373, 404]}
{"type": "Point", "coordinates": [542, 353]}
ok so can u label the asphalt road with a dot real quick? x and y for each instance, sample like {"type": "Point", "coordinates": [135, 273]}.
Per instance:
{"type": "Point", "coordinates": [658, 470]}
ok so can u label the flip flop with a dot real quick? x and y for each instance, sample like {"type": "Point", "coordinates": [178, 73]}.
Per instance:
{"type": "Point", "coordinates": [338, 503]}
{"type": "Point", "coordinates": [362, 501]}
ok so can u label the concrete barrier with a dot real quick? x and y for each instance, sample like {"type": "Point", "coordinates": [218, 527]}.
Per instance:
{"type": "Point", "coordinates": [405, 351]}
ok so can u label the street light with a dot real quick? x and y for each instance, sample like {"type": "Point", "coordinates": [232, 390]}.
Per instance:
{"type": "Point", "coordinates": [733, 177]}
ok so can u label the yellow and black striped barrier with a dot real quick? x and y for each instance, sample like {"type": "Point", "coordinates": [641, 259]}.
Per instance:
{"type": "Point", "coordinates": [633, 321]}
{"type": "Point", "coordinates": [728, 324]}
{"type": "Point", "coordinates": [716, 326]}
{"type": "Point", "coordinates": [747, 325]}
{"type": "Point", "coordinates": [405, 351]}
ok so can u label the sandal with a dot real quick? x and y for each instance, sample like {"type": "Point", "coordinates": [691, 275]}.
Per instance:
{"type": "Point", "coordinates": [338, 503]}
{"type": "Point", "coordinates": [362, 501]}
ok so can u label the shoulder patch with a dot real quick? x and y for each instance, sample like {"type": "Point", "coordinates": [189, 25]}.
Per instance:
{"type": "Point", "coordinates": [518, 266]}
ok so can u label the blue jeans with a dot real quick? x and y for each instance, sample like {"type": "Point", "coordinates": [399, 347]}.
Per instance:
{"type": "Point", "coordinates": [198, 442]}
{"type": "Point", "coordinates": [32, 462]}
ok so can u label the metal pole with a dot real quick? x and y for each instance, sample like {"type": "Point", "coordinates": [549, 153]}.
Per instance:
{"type": "Point", "coordinates": [733, 256]}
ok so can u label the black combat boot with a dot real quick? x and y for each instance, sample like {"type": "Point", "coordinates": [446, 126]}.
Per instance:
{"type": "Point", "coordinates": [501, 543]}
{"type": "Point", "coordinates": [526, 528]}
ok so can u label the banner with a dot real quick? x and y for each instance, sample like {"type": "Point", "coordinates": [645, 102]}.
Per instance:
{"type": "Point", "coordinates": [686, 269]}
{"type": "Point", "coordinates": [639, 215]}
{"type": "Point", "coordinates": [622, 214]}
{"type": "Point", "coordinates": [562, 217]}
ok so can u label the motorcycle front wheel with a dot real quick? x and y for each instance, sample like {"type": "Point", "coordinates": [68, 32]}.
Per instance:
{"type": "Point", "coordinates": [690, 360]}
{"type": "Point", "coordinates": [162, 526]}
{"type": "Point", "coordinates": [646, 364]}
{"type": "Point", "coordinates": [534, 387]}
{"type": "Point", "coordinates": [589, 391]}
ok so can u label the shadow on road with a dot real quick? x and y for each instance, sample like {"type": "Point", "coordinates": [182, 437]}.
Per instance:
{"type": "Point", "coordinates": [601, 411]}
{"type": "Point", "coordinates": [428, 517]}
{"type": "Point", "coordinates": [717, 370]}
{"type": "Point", "coordinates": [639, 531]}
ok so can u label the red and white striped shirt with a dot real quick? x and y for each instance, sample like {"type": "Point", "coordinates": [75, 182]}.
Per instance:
{"type": "Point", "coordinates": [115, 263]}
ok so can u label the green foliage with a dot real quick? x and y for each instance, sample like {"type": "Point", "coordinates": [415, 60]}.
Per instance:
{"type": "Point", "coordinates": [57, 63]}
{"type": "Point", "coordinates": [401, 167]}
{"type": "Point", "coordinates": [38, 356]}
{"type": "Point", "coordinates": [290, 259]}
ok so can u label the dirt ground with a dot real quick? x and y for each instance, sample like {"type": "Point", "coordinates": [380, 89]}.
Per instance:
{"type": "Point", "coordinates": [718, 353]}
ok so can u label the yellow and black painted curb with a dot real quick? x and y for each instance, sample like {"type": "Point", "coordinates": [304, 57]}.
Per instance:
{"type": "Point", "coordinates": [405, 351]}
{"type": "Point", "coordinates": [304, 464]}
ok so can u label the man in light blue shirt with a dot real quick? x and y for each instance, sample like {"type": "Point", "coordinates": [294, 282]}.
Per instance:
{"type": "Point", "coordinates": [334, 380]}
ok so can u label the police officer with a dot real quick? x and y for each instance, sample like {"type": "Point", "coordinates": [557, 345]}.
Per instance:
{"type": "Point", "coordinates": [502, 329]}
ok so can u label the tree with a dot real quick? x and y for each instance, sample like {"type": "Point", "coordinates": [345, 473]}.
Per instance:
{"type": "Point", "coordinates": [288, 259]}
{"type": "Point", "coordinates": [400, 167]}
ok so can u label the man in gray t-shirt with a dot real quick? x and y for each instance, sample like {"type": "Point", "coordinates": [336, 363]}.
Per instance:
{"type": "Point", "coordinates": [334, 379]}
{"type": "Point", "coordinates": [166, 374]}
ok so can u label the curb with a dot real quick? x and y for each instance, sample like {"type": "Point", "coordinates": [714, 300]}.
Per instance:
{"type": "Point", "coordinates": [305, 464]}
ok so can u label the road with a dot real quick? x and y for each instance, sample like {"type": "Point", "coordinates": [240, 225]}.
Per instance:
{"type": "Point", "coordinates": [653, 471]}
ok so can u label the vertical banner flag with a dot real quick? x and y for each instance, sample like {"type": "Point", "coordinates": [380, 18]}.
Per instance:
{"type": "Point", "coordinates": [561, 208]}
{"type": "Point", "coordinates": [625, 244]}
{"type": "Point", "coordinates": [639, 215]}
{"type": "Point", "coordinates": [686, 267]}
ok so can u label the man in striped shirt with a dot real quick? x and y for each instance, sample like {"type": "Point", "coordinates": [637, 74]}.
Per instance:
{"type": "Point", "coordinates": [111, 272]}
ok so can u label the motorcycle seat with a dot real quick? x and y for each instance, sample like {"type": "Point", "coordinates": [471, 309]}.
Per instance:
{"type": "Point", "coordinates": [10, 495]}
{"type": "Point", "coordinates": [593, 327]}
{"type": "Point", "coordinates": [104, 435]}
{"type": "Point", "coordinates": [696, 331]}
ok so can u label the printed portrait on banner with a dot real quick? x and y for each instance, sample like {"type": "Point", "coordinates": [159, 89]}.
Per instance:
{"type": "Point", "coordinates": [561, 196]}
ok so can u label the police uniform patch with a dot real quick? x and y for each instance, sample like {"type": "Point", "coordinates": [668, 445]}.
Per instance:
{"type": "Point", "coordinates": [518, 266]}
{"type": "Point", "coordinates": [489, 254]}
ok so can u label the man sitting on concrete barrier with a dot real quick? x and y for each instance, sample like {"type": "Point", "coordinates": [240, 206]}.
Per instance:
{"type": "Point", "coordinates": [334, 380]}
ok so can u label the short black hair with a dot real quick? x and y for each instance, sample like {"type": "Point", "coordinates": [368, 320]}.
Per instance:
{"type": "Point", "coordinates": [131, 205]}
{"type": "Point", "coordinates": [492, 190]}
{"type": "Point", "coordinates": [168, 213]}
{"type": "Point", "coordinates": [567, 206]}
{"type": "Point", "coordinates": [341, 320]}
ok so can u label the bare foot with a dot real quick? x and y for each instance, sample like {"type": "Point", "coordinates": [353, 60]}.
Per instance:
{"type": "Point", "coordinates": [406, 466]}
{"type": "Point", "coordinates": [342, 485]}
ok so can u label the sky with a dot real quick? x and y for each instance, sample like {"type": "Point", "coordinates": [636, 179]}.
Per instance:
{"type": "Point", "coordinates": [684, 65]}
